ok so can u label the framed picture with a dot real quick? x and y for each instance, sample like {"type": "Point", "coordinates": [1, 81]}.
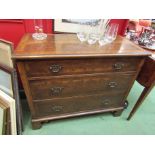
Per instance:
{"type": "Point", "coordinates": [6, 82]}
{"type": "Point", "coordinates": [9, 85]}
{"type": "Point", "coordinates": [2, 118]}
{"type": "Point", "coordinates": [72, 25]}
{"type": "Point", "coordinates": [7, 97]}
{"type": "Point", "coordinates": [5, 119]}
{"type": "Point", "coordinates": [7, 100]}
{"type": "Point", "coordinates": [6, 49]}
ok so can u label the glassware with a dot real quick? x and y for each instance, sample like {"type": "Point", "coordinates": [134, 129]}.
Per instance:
{"type": "Point", "coordinates": [92, 39]}
{"type": "Point", "coordinates": [111, 32]}
{"type": "Point", "coordinates": [103, 26]}
{"type": "Point", "coordinates": [39, 33]}
{"type": "Point", "coordinates": [102, 41]}
{"type": "Point", "coordinates": [82, 33]}
{"type": "Point", "coordinates": [109, 35]}
{"type": "Point", "coordinates": [116, 26]}
{"type": "Point", "coordinates": [93, 35]}
{"type": "Point", "coordinates": [93, 30]}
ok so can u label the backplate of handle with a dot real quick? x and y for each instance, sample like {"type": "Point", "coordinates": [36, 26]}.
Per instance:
{"type": "Point", "coordinates": [57, 108]}
{"type": "Point", "coordinates": [112, 84]}
{"type": "Point", "coordinates": [105, 102]}
{"type": "Point", "coordinates": [55, 68]}
{"type": "Point", "coordinates": [118, 66]}
{"type": "Point", "coordinates": [56, 90]}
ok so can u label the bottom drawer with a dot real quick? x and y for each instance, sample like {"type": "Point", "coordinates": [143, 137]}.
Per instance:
{"type": "Point", "coordinates": [70, 105]}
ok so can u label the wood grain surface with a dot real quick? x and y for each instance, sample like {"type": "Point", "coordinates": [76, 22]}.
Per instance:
{"type": "Point", "coordinates": [68, 46]}
{"type": "Point", "coordinates": [63, 77]}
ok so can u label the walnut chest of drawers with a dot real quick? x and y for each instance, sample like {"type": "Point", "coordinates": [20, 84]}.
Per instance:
{"type": "Point", "coordinates": [63, 77]}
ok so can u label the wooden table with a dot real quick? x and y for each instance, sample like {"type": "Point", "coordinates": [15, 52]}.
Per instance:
{"type": "Point", "coordinates": [147, 79]}
{"type": "Point", "coordinates": [63, 77]}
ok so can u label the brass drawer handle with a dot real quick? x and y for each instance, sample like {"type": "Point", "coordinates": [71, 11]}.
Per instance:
{"type": "Point", "coordinates": [118, 66]}
{"type": "Point", "coordinates": [55, 68]}
{"type": "Point", "coordinates": [57, 108]}
{"type": "Point", "coordinates": [106, 102]}
{"type": "Point", "coordinates": [112, 84]}
{"type": "Point", "coordinates": [56, 90]}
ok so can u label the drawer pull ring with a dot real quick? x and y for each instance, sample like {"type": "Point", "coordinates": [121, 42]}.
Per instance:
{"type": "Point", "coordinates": [55, 68]}
{"type": "Point", "coordinates": [118, 66]}
{"type": "Point", "coordinates": [56, 90]}
{"type": "Point", "coordinates": [57, 108]}
{"type": "Point", "coordinates": [105, 102]}
{"type": "Point", "coordinates": [112, 84]}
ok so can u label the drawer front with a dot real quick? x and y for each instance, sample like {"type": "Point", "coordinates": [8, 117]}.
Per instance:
{"type": "Point", "coordinates": [38, 68]}
{"type": "Point", "coordinates": [62, 106]}
{"type": "Point", "coordinates": [65, 86]}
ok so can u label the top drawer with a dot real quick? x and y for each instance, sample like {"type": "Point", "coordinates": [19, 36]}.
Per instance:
{"type": "Point", "coordinates": [37, 68]}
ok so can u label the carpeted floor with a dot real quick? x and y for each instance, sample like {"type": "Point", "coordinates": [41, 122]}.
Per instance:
{"type": "Point", "coordinates": [102, 124]}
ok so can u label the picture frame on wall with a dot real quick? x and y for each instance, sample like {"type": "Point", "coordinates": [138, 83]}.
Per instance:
{"type": "Point", "coordinates": [72, 25]}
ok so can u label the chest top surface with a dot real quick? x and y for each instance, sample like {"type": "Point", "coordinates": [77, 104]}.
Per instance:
{"type": "Point", "coordinates": [68, 46]}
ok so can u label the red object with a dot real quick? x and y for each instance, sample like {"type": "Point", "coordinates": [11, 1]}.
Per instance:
{"type": "Point", "coordinates": [47, 25]}
{"type": "Point", "coordinates": [138, 25]}
{"type": "Point", "coordinates": [13, 29]}
{"type": "Point", "coordinates": [123, 23]}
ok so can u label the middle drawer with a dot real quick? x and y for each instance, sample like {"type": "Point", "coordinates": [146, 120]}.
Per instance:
{"type": "Point", "coordinates": [65, 86]}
